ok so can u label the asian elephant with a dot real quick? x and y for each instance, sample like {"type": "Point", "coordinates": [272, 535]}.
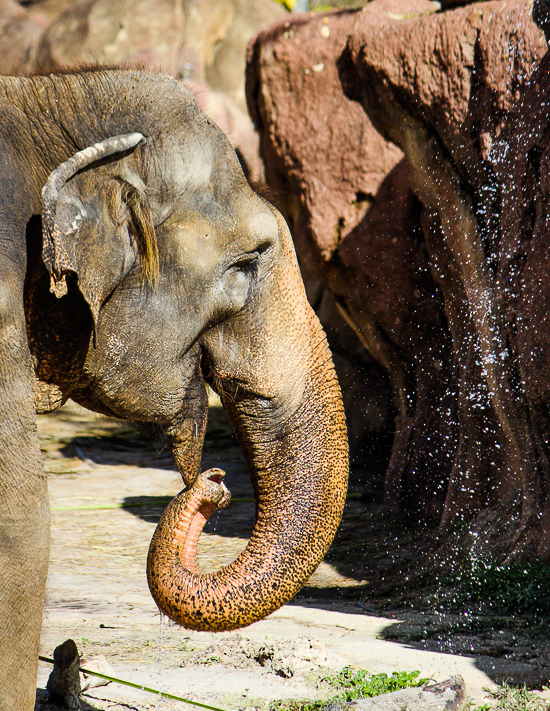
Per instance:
{"type": "Point", "coordinates": [136, 265]}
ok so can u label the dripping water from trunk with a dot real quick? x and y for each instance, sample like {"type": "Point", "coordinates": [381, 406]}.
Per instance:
{"type": "Point", "coordinates": [162, 631]}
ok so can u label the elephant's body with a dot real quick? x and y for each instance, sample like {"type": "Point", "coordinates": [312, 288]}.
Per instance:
{"type": "Point", "coordinates": [159, 269]}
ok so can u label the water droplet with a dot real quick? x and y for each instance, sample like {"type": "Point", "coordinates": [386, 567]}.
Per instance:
{"type": "Point", "coordinates": [162, 631]}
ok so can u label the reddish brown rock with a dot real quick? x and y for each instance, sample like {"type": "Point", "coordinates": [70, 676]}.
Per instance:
{"type": "Point", "coordinates": [460, 72]}
{"type": "Point", "coordinates": [541, 16]}
{"type": "Point", "coordinates": [365, 385]}
{"type": "Point", "coordinates": [366, 391]}
{"type": "Point", "coordinates": [358, 229]}
{"type": "Point", "coordinates": [321, 153]}
{"type": "Point", "coordinates": [385, 285]}
{"type": "Point", "coordinates": [442, 88]}
{"type": "Point", "coordinates": [523, 284]}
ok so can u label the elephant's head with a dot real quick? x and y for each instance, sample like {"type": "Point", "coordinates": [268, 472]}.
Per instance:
{"type": "Point", "coordinates": [190, 277]}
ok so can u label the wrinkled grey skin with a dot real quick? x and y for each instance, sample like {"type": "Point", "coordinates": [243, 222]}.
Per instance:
{"type": "Point", "coordinates": [228, 307]}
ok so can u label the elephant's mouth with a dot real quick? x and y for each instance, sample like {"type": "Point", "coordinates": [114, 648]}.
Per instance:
{"type": "Point", "coordinates": [193, 507]}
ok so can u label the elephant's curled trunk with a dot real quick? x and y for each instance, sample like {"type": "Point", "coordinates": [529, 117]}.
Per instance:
{"type": "Point", "coordinates": [301, 481]}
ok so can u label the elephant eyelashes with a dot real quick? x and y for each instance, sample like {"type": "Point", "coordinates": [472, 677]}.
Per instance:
{"type": "Point", "coordinates": [143, 231]}
{"type": "Point", "coordinates": [247, 264]}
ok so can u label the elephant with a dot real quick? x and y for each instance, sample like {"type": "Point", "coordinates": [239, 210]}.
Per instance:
{"type": "Point", "coordinates": [137, 266]}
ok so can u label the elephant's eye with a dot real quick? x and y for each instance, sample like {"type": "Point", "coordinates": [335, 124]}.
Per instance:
{"type": "Point", "coordinates": [246, 263]}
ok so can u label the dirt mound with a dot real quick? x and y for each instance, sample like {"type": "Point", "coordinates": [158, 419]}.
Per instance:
{"type": "Point", "coordinates": [286, 658]}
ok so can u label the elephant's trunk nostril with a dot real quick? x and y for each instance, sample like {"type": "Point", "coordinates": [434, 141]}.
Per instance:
{"type": "Point", "coordinates": [217, 476]}
{"type": "Point", "coordinates": [188, 550]}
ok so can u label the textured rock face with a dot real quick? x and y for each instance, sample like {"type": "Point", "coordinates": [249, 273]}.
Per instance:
{"type": "Point", "coordinates": [460, 72]}
{"type": "Point", "coordinates": [365, 385]}
{"type": "Point", "coordinates": [356, 225]}
{"type": "Point", "coordinates": [448, 695]}
{"type": "Point", "coordinates": [20, 33]}
{"type": "Point", "coordinates": [382, 279]}
{"type": "Point", "coordinates": [322, 155]}
{"type": "Point", "coordinates": [446, 255]}
{"type": "Point", "coordinates": [523, 288]}
{"type": "Point", "coordinates": [444, 89]}
{"type": "Point", "coordinates": [204, 40]}
{"type": "Point", "coordinates": [541, 16]}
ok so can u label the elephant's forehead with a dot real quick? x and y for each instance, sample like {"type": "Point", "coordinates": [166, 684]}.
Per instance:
{"type": "Point", "coordinates": [239, 223]}
{"type": "Point", "coordinates": [206, 213]}
{"type": "Point", "coordinates": [190, 165]}
{"type": "Point", "coordinates": [200, 159]}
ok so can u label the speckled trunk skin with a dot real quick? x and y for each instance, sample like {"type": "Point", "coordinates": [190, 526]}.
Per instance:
{"type": "Point", "coordinates": [284, 402]}
{"type": "Point", "coordinates": [300, 502]}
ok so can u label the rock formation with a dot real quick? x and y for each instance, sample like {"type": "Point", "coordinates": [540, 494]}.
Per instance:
{"type": "Point", "coordinates": [356, 226]}
{"type": "Point", "coordinates": [450, 89]}
{"type": "Point", "coordinates": [204, 40]}
{"type": "Point", "coordinates": [20, 33]}
{"type": "Point", "coordinates": [448, 117]}
{"type": "Point", "coordinates": [366, 391]}
{"type": "Point", "coordinates": [64, 681]}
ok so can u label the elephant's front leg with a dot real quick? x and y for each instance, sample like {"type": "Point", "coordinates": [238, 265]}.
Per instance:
{"type": "Point", "coordinates": [24, 514]}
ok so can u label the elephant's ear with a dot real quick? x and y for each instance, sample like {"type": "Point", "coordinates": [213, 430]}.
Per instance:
{"type": "Point", "coordinates": [83, 232]}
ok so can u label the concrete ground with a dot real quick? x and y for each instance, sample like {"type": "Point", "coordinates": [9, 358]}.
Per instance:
{"type": "Point", "coordinates": [107, 487]}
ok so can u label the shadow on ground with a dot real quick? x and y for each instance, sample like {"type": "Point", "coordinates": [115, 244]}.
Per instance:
{"type": "Point", "coordinates": [403, 578]}
{"type": "Point", "coordinates": [141, 446]}
{"type": "Point", "coordinates": [45, 703]}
